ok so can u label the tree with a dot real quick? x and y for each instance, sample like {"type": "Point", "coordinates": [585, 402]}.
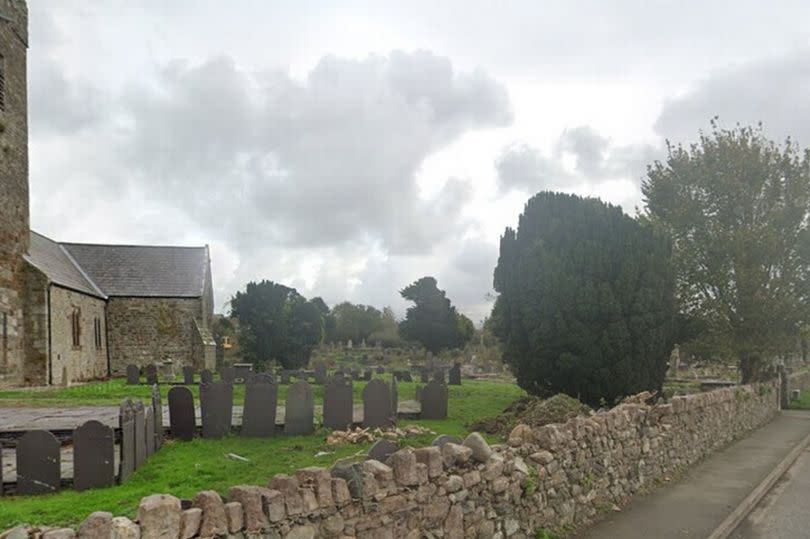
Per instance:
{"type": "Point", "coordinates": [355, 322]}
{"type": "Point", "coordinates": [388, 333]}
{"type": "Point", "coordinates": [276, 323]}
{"type": "Point", "coordinates": [737, 206]}
{"type": "Point", "coordinates": [586, 300]}
{"type": "Point", "coordinates": [432, 321]}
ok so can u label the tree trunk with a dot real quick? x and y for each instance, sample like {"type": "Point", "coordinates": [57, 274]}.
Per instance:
{"type": "Point", "coordinates": [751, 368]}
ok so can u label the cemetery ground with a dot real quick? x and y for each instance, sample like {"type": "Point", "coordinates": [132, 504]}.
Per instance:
{"type": "Point", "coordinates": [184, 468]}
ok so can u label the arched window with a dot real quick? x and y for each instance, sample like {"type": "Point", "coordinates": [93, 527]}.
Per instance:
{"type": "Point", "coordinates": [76, 327]}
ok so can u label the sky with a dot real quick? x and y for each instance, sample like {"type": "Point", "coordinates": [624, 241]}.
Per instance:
{"type": "Point", "coordinates": [347, 149]}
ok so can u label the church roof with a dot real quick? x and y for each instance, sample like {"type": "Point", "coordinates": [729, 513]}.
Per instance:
{"type": "Point", "coordinates": [122, 270]}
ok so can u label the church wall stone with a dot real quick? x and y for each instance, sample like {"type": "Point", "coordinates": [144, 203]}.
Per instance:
{"type": "Point", "coordinates": [35, 314]}
{"type": "Point", "coordinates": [71, 363]}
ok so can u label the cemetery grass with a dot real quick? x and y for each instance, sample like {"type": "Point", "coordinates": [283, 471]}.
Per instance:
{"type": "Point", "coordinates": [802, 403]}
{"type": "Point", "coordinates": [183, 469]}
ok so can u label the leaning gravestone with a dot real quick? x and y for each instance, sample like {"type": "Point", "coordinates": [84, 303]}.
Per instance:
{"type": "Point", "coordinates": [151, 374]}
{"type": "Point", "coordinates": [377, 404]}
{"type": "Point", "coordinates": [140, 435]}
{"type": "Point", "coordinates": [206, 377]}
{"type": "Point", "coordinates": [320, 372]}
{"type": "Point", "coordinates": [434, 401]}
{"type": "Point", "coordinates": [300, 409]}
{"type": "Point", "coordinates": [133, 375]}
{"type": "Point", "coordinates": [149, 430]}
{"type": "Point", "coordinates": [181, 413]}
{"type": "Point", "coordinates": [127, 423]}
{"type": "Point", "coordinates": [259, 414]}
{"type": "Point", "coordinates": [337, 404]}
{"type": "Point", "coordinates": [157, 406]}
{"type": "Point", "coordinates": [93, 456]}
{"type": "Point", "coordinates": [38, 465]}
{"type": "Point", "coordinates": [227, 374]}
{"type": "Point", "coordinates": [455, 375]}
{"type": "Point", "coordinates": [216, 403]}
{"type": "Point", "coordinates": [188, 375]}
{"type": "Point", "coordinates": [382, 449]}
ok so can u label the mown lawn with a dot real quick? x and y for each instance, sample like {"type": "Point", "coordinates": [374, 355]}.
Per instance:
{"type": "Point", "coordinates": [803, 403]}
{"type": "Point", "coordinates": [182, 469]}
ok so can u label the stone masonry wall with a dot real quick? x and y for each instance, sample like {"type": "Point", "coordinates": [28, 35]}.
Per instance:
{"type": "Point", "coordinates": [146, 330]}
{"type": "Point", "coordinates": [554, 477]}
{"type": "Point", "coordinates": [35, 315]}
{"type": "Point", "coordinates": [76, 363]}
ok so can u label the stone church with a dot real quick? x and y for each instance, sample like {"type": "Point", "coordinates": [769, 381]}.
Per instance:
{"type": "Point", "coordinates": [71, 312]}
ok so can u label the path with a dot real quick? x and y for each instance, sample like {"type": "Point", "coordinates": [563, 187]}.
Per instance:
{"type": "Point", "coordinates": [695, 505]}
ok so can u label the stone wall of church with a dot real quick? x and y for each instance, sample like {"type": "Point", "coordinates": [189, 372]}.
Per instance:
{"type": "Point", "coordinates": [35, 314]}
{"type": "Point", "coordinates": [14, 227]}
{"type": "Point", "coordinates": [87, 361]}
{"type": "Point", "coordinates": [148, 330]}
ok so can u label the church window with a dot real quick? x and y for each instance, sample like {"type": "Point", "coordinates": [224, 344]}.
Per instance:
{"type": "Point", "coordinates": [97, 330]}
{"type": "Point", "coordinates": [2, 83]}
{"type": "Point", "coordinates": [76, 327]}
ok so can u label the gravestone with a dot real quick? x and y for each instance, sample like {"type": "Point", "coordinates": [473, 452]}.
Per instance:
{"type": "Point", "coordinates": [242, 372]}
{"type": "Point", "coordinates": [140, 435]}
{"type": "Point", "coordinates": [406, 377]}
{"type": "Point", "coordinates": [188, 375]}
{"type": "Point", "coordinates": [133, 375]}
{"type": "Point", "coordinates": [259, 413]}
{"type": "Point", "coordinates": [382, 449]}
{"type": "Point", "coordinates": [285, 377]}
{"type": "Point", "coordinates": [319, 369]}
{"type": "Point", "coordinates": [227, 374]}
{"type": "Point", "coordinates": [149, 430]}
{"type": "Point", "coordinates": [206, 377]}
{"type": "Point", "coordinates": [367, 374]}
{"type": "Point", "coordinates": [434, 401]}
{"type": "Point", "coordinates": [38, 465]}
{"type": "Point", "coordinates": [126, 420]}
{"type": "Point", "coordinates": [454, 376]}
{"type": "Point", "coordinates": [380, 369]}
{"type": "Point", "coordinates": [151, 374]}
{"type": "Point", "coordinates": [216, 403]}
{"type": "Point", "coordinates": [181, 413]}
{"type": "Point", "coordinates": [300, 409]}
{"type": "Point", "coordinates": [356, 375]}
{"type": "Point", "coordinates": [438, 375]}
{"type": "Point", "coordinates": [93, 456]}
{"type": "Point", "coordinates": [157, 407]}
{"type": "Point", "coordinates": [394, 399]}
{"type": "Point", "coordinates": [338, 408]}
{"type": "Point", "coordinates": [424, 375]}
{"type": "Point", "coordinates": [377, 404]}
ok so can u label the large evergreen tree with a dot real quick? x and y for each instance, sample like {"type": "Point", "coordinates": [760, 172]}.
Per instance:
{"type": "Point", "coordinates": [585, 303]}
{"type": "Point", "coordinates": [433, 321]}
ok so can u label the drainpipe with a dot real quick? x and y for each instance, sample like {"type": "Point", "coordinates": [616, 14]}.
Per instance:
{"type": "Point", "coordinates": [50, 349]}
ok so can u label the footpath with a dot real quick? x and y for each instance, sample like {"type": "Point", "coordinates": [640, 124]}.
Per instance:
{"type": "Point", "coordinates": [704, 497]}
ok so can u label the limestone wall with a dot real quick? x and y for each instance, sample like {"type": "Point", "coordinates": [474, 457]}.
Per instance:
{"type": "Point", "coordinates": [554, 477]}
{"type": "Point", "coordinates": [71, 363]}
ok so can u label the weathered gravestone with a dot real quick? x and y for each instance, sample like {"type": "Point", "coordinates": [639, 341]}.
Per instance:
{"type": "Point", "coordinates": [434, 401]}
{"type": "Point", "coordinates": [227, 374]}
{"type": "Point", "coordinates": [319, 370]}
{"type": "Point", "coordinates": [300, 409]}
{"type": "Point", "coordinates": [157, 406]}
{"type": "Point", "coordinates": [93, 456]}
{"type": "Point", "coordinates": [188, 375]}
{"type": "Point", "coordinates": [438, 375]}
{"type": "Point", "coordinates": [216, 403]}
{"type": "Point", "coordinates": [377, 404]}
{"type": "Point", "coordinates": [206, 377]}
{"type": "Point", "coordinates": [126, 419]}
{"type": "Point", "coordinates": [133, 375]}
{"type": "Point", "coordinates": [259, 413]}
{"type": "Point", "coordinates": [454, 376]}
{"type": "Point", "coordinates": [38, 463]}
{"type": "Point", "coordinates": [242, 372]}
{"type": "Point", "coordinates": [424, 375]}
{"type": "Point", "coordinates": [285, 377]}
{"type": "Point", "coordinates": [382, 449]}
{"type": "Point", "coordinates": [367, 374]}
{"type": "Point", "coordinates": [337, 404]}
{"type": "Point", "coordinates": [149, 430]}
{"type": "Point", "coordinates": [140, 435]}
{"type": "Point", "coordinates": [181, 413]}
{"type": "Point", "coordinates": [151, 374]}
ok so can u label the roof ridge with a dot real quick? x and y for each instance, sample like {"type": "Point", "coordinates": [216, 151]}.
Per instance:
{"type": "Point", "coordinates": [132, 245]}
{"type": "Point", "coordinates": [80, 269]}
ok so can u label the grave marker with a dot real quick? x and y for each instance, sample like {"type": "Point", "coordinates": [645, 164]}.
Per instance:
{"type": "Point", "coordinates": [424, 375]}
{"type": "Point", "coordinates": [149, 430]}
{"type": "Point", "coordinates": [188, 375]}
{"type": "Point", "coordinates": [338, 407]}
{"type": "Point", "coordinates": [140, 435]}
{"type": "Point", "coordinates": [93, 456]}
{"type": "Point", "coordinates": [127, 423]}
{"type": "Point", "coordinates": [319, 369]}
{"type": "Point", "coordinates": [206, 377]}
{"type": "Point", "coordinates": [216, 402]}
{"type": "Point", "coordinates": [133, 375]}
{"type": "Point", "coordinates": [300, 409]}
{"type": "Point", "coordinates": [38, 468]}
{"type": "Point", "coordinates": [377, 404]}
{"type": "Point", "coordinates": [227, 374]}
{"type": "Point", "coordinates": [455, 375]}
{"type": "Point", "coordinates": [259, 415]}
{"type": "Point", "coordinates": [434, 398]}
{"type": "Point", "coordinates": [181, 413]}
{"type": "Point", "coordinates": [151, 374]}
{"type": "Point", "coordinates": [157, 407]}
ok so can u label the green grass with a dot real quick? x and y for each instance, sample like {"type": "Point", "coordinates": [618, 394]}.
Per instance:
{"type": "Point", "coordinates": [803, 402]}
{"type": "Point", "coordinates": [183, 469]}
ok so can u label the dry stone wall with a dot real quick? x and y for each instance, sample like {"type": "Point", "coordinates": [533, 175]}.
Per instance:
{"type": "Point", "coordinates": [555, 477]}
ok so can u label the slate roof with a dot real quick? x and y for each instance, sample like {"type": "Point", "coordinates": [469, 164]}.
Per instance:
{"type": "Point", "coordinates": [122, 270]}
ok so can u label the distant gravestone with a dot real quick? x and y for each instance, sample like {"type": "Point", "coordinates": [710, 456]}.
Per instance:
{"type": "Point", "coordinates": [227, 374]}
{"type": "Point", "coordinates": [140, 435]}
{"type": "Point", "coordinates": [424, 375]}
{"type": "Point", "coordinates": [181, 413]}
{"type": "Point", "coordinates": [319, 369]}
{"type": "Point", "coordinates": [157, 406]}
{"type": "Point", "coordinates": [367, 374]}
{"type": "Point", "coordinates": [188, 375]}
{"type": "Point", "coordinates": [133, 375]}
{"type": "Point", "coordinates": [285, 377]}
{"type": "Point", "coordinates": [126, 420]}
{"type": "Point", "coordinates": [454, 376]}
{"type": "Point", "coordinates": [377, 405]}
{"type": "Point", "coordinates": [300, 409]}
{"type": "Point", "coordinates": [38, 465]}
{"type": "Point", "coordinates": [151, 374]}
{"type": "Point", "coordinates": [149, 430]}
{"type": "Point", "coordinates": [206, 377]}
{"type": "Point", "coordinates": [338, 409]}
{"type": "Point", "coordinates": [216, 403]}
{"type": "Point", "coordinates": [382, 449]}
{"type": "Point", "coordinates": [242, 372]}
{"type": "Point", "coordinates": [93, 456]}
{"type": "Point", "coordinates": [380, 369]}
{"type": "Point", "coordinates": [438, 375]}
{"type": "Point", "coordinates": [259, 413]}
{"type": "Point", "coordinates": [434, 401]}
{"type": "Point", "coordinates": [406, 377]}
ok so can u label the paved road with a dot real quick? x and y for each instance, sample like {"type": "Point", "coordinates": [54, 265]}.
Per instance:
{"type": "Point", "coordinates": [784, 512]}
{"type": "Point", "coordinates": [695, 505]}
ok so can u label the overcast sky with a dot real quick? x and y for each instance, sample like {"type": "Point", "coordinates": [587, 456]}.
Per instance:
{"type": "Point", "coordinates": [347, 150]}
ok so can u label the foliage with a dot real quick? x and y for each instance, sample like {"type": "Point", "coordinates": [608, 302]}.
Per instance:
{"type": "Point", "coordinates": [737, 206]}
{"type": "Point", "coordinates": [353, 322]}
{"type": "Point", "coordinates": [276, 323]}
{"type": "Point", "coordinates": [586, 300]}
{"type": "Point", "coordinates": [534, 412]}
{"type": "Point", "coordinates": [388, 333]}
{"type": "Point", "coordinates": [433, 321]}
